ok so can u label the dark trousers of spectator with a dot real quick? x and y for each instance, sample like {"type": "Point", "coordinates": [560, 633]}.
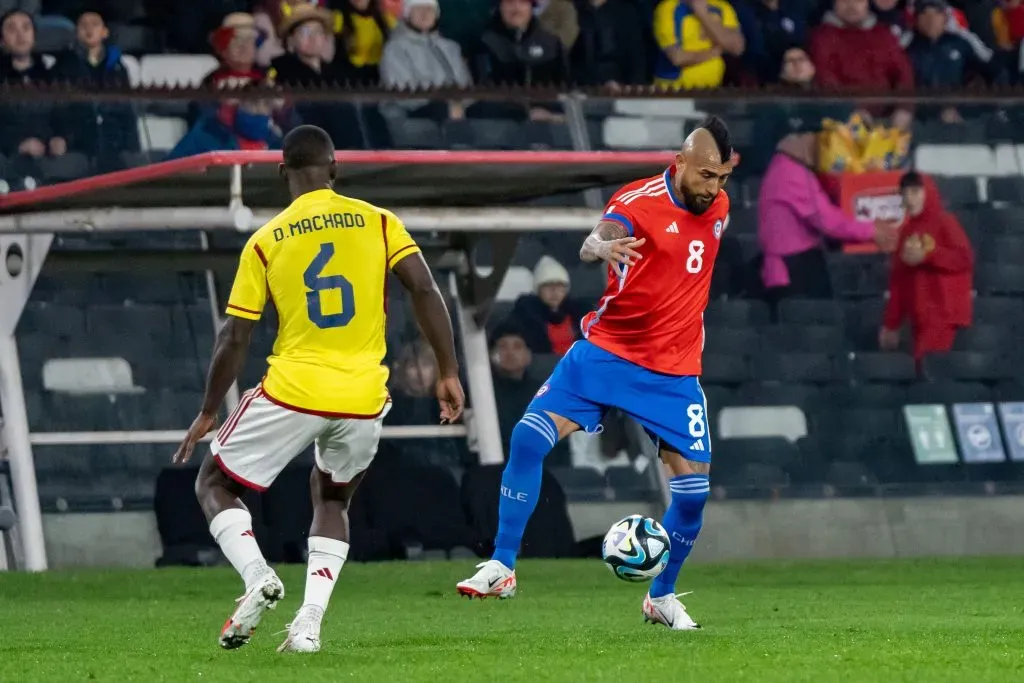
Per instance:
{"type": "Point", "coordinates": [808, 278]}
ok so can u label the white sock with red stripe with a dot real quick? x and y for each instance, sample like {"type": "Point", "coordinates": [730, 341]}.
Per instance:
{"type": "Point", "coordinates": [232, 529]}
{"type": "Point", "coordinates": [326, 557]}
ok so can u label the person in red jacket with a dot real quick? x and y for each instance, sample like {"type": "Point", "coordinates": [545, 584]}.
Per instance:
{"type": "Point", "coordinates": [932, 274]}
{"type": "Point", "coordinates": [852, 49]}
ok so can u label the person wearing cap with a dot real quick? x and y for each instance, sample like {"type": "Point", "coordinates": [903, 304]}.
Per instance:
{"type": "Point", "coordinates": [942, 57]}
{"type": "Point", "coordinates": [549, 319]}
{"type": "Point", "coordinates": [102, 131]}
{"type": "Point", "coordinates": [796, 216]}
{"type": "Point", "coordinates": [269, 16]}
{"type": "Point", "coordinates": [930, 283]}
{"type": "Point", "coordinates": [417, 56]}
{"type": "Point", "coordinates": [305, 32]}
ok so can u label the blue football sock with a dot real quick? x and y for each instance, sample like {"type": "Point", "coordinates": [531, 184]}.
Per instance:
{"type": "Point", "coordinates": [533, 437]}
{"type": "Point", "coordinates": [682, 521]}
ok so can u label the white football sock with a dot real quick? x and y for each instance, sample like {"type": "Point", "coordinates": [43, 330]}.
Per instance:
{"type": "Point", "coordinates": [326, 557]}
{"type": "Point", "coordinates": [232, 529]}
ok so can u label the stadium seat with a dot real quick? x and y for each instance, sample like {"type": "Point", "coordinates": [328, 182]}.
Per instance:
{"type": "Point", "coordinates": [658, 108]}
{"type": "Point", "coordinates": [958, 192]}
{"type": "Point", "coordinates": [161, 133]}
{"type": "Point", "coordinates": [628, 484]}
{"type": "Point", "coordinates": [742, 220]}
{"type": "Point", "coordinates": [63, 322]}
{"type": "Point", "coordinates": [415, 133]}
{"type": "Point", "coordinates": [967, 366]}
{"type": "Point", "coordinates": [581, 483]}
{"type": "Point", "coordinates": [754, 463]}
{"type": "Point", "coordinates": [724, 369]}
{"type": "Point", "coordinates": [775, 394]}
{"type": "Point", "coordinates": [1000, 220]}
{"type": "Point", "coordinates": [863, 320]}
{"type": "Point", "coordinates": [747, 422]}
{"type": "Point", "coordinates": [619, 132]}
{"type": "Point", "coordinates": [985, 338]}
{"type": "Point", "coordinates": [716, 396]}
{"type": "Point", "coordinates": [549, 532]}
{"type": "Point", "coordinates": [544, 135]}
{"type": "Point", "coordinates": [814, 368]}
{"type": "Point", "coordinates": [184, 71]}
{"type": "Point", "coordinates": [955, 160]}
{"type": "Point", "coordinates": [845, 474]}
{"type": "Point", "coordinates": [70, 166]}
{"type": "Point", "coordinates": [803, 338]}
{"type": "Point", "coordinates": [882, 367]}
{"type": "Point", "coordinates": [1002, 249]}
{"type": "Point", "coordinates": [518, 281]}
{"type": "Point", "coordinates": [999, 310]}
{"type": "Point", "coordinates": [135, 40]}
{"type": "Point", "coordinates": [495, 134]}
{"type": "Point", "coordinates": [1009, 190]}
{"type": "Point", "coordinates": [731, 340]}
{"type": "Point", "coordinates": [948, 392]}
{"type": "Point", "coordinates": [810, 312]}
{"type": "Point", "coordinates": [736, 313]}
{"type": "Point", "coordinates": [1009, 390]}
{"type": "Point", "coordinates": [864, 396]}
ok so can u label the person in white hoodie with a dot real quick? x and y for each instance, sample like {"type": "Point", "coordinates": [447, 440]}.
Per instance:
{"type": "Point", "coordinates": [417, 56]}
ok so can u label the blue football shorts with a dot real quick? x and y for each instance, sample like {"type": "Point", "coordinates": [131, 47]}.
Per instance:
{"type": "Point", "coordinates": [589, 380]}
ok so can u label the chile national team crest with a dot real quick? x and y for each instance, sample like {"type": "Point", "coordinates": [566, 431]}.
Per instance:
{"type": "Point", "coordinates": [719, 228]}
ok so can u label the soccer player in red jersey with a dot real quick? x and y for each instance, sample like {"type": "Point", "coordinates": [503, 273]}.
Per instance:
{"type": "Point", "coordinates": [641, 354]}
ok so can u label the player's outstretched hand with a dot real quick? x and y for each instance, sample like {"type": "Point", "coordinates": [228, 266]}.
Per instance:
{"type": "Point", "coordinates": [201, 426]}
{"type": "Point", "coordinates": [452, 399]}
{"type": "Point", "coordinates": [622, 252]}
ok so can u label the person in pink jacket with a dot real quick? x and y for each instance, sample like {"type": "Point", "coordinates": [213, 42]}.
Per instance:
{"type": "Point", "coordinates": [795, 216]}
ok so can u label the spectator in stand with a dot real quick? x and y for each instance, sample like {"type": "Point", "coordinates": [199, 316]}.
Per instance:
{"type": "Point", "coordinates": [362, 28]}
{"type": "Point", "coordinates": [608, 50]}
{"type": "Point", "coordinates": [796, 216]}
{"type": "Point", "coordinates": [269, 15]}
{"type": "Point", "coordinates": [305, 30]}
{"type": "Point", "coordinates": [931, 279]}
{"type": "Point", "coordinates": [102, 130]}
{"type": "Point", "coordinates": [693, 35]}
{"type": "Point", "coordinates": [892, 13]}
{"type": "Point", "coordinates": [233, 124]}
{"type": "Point", "coordinates": [559, 18]}
{"type": "Point", "coordinates": [27, 131]}
{"type": "Point", "coordinates": [548, 319]}
{"type": "Point", "coordinates": [941, 58]}
{"type": "Point", "coordinates": [514, 384]}
{"type": "Point", "coordinates": [414, 403]}
{"type": "Point", "coordinates": [516, 50]}
{"type": "Point", "coordinates": [780, 25]}
{"type": "Point", "coordinates": [417, 56]}
{"type": "Point", "coordinates": [852, 49]}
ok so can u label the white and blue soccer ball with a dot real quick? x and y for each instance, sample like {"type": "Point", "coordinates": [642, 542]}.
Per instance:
{"type": "Point", "coordinates": [636, 548]}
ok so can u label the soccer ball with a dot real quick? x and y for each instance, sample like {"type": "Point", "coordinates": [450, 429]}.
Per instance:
{"type": "Point", "coordinates": [636, 548]}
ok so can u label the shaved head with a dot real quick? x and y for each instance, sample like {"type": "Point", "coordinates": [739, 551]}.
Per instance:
{"type": "Point", "coordinates": [703, 165]}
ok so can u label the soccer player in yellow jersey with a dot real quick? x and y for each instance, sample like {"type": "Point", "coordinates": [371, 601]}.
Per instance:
{"type": "Point", "coordinates": [692, 36]}
{"type": "Point", "coordinates": [323, 262]}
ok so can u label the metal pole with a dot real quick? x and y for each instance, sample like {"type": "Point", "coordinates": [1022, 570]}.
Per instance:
{"type": "Point", "coordinates": [19, 452]}
{"type": "Point", "coordinates": [481, 386]}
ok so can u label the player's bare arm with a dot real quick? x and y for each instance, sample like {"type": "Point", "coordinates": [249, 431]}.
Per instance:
{"type": "Point", "coordinates": [229, 354]}
{"type": "Point", "coordinates": [432, 317]}
{"type": "Point", "coordinates": [611, 242]}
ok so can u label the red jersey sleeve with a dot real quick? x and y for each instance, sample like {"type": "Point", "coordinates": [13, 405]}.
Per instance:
{"type": "Point", "coordinates": [619, 212]}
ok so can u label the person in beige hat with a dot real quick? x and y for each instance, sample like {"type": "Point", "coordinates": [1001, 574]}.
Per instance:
{"type": "Point", "coordinates": [269, 16]}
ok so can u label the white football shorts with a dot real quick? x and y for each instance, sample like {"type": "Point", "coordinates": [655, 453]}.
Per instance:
{"type": "Point", "coordinates": [260, 438]}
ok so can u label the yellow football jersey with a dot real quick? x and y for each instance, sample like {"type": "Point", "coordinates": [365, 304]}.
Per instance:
{"type": "Point", "coordinates": [323, 262]}
{"type": "Point", "coordinates": [675, 24]}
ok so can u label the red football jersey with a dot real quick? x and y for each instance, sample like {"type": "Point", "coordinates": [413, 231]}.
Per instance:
{"type": "Point", "coordinates": [654, 315]}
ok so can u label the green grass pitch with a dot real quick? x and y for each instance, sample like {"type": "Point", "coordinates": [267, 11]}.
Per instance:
{"type": "Point", "coordinates": [921, 620]}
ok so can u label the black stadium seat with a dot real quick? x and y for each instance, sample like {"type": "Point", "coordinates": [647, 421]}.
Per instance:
{"type": "Point", "coordinates": [724, 369]}
{"type": "Point", "coordinates": [968, 366]}
{"type": "Point", "coordinates": [1009, 190]}
{"type": "Point", "coordinates": [794, 367]}
{"type": "Point", "coordinates": [736, 313]}
{"type": "Point", "coordinates": [775, 394]}
{"type": "Point", "coordinates": [731, 340]}
{"type": "Point", "coordinates": [882, 367]}
{"type": "Point", "coordinates": [804, 338]}
{"type": "Point", "coordinates": [810, 312]}
{"type": "Point", "coordinates": [948, 392]}
{"type": "Point", "coordinates": [957, 191]}
{"type": "Point", "coordinates": [999, 310]}
{"type": "Point", "coordinates": [864, 396]}
{"type": "Point", "coordinates": [986, 338]}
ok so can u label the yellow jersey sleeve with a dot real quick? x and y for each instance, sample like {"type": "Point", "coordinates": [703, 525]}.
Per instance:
{"type": "Point", "coordinates": [398, 241]}
{"type": "Point", "coordinates": [249, 292]}
{"type": "Point", "coordinates": [729, 18]}
{"type": "Point", "coordinates": [666, 32]}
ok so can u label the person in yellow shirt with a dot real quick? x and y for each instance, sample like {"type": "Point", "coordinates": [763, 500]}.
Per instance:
{"type": "Point", "coordinates": [323, 263]}
{"type": "Point", "coordinates": [692, 36]}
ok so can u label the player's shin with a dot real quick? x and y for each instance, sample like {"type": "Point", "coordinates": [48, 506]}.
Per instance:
{"type": "Point", "coordinates": [326, 558]}
{"type": "Point", "coordinates": [682, 521]}
{"type": "Point", "coordinates": [532, 439]}
{"type": "Point", "coordinates": [232, 529]}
